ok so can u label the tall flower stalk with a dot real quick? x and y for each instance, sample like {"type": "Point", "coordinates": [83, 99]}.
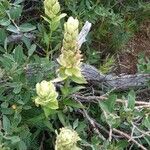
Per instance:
{"type": "Point", "coordinates": [70, 59]}
{"type": "Point", "coordinates": [53, 14]}
{"type": "Point", "coordinates": [53, 17]}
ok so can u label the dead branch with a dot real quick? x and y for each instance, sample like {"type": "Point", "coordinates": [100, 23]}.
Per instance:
{"type": "Point", "coordinates": [122, 82]}
{"type": "Point", "coordinates": [102, 98]}
{"type": "Point", "coordinates": [96, 125]}
{"type": "Point", "coordinates": [129, 138]}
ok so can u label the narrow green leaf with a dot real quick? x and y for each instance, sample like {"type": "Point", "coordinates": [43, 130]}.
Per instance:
{"type": "Point", "coordinates": [5, 22]}
{"type": "Point", "coordinates": [22, 145]}
{"type": "Point", "coordinates": [110, 102]}
{"type": "Point", "coordinates": [14, 139]}
{"type": "Point", "coordinates": [31, 50]}
{"type": "Point", "coordinates": [18, 2]}
{"type": "Point", "coordinates": [131, 99]}
{"type": "Point", "coordinates": [75, 123]}
{"type": "Point", "coordinates": [2, 35]}
{"type": "Point", "coordinates": [15, 12]}
{"type": "Point", "coordinates": [18, 54]}
{"type": "Point", "coordinates": [146, 122]}
{"type": "Point", "coordinates": [26, 27]}
{"type": "Point", "coordinates": [13, 29]}
{"type": "Point", "coordinates": [72, 103]}
{"type": "Point", "coordinates": [49, 111]}
{"type": "Point", "coordinates": [61, 118]}
{"type": "Point", "coordinates": [6, 124]}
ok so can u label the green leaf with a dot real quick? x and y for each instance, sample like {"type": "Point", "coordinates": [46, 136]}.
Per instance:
{"type": "Point", "coordinates": [6, 62]}
{"type": "Point", "coordinates": [49, 125]}
{"type": "Point", "coordinates": [146, 122]}
{"type": "Point", "coordinates": [13, 29]}
{"type": "Point", "coordinates": [54, 25]}
{"type": "Point", "coordinates": [17, 87]}
{"type": "Point", "coordinates": [31, 50]}
{"type": "Point", "coordinates": [110, 102]}
{"type": "Point", "coordinates": [6, 124]}
{"type": "Point", "coordinates": [76, 89]}
{"type": "Point", "coordinates": [46, 38]}
{"type": "Point", "coordinates": [113, 120]}
{"type": "Point", "coordinates": [7, 111]}
{"type": "Point", "coordinates": [4, 105]}
{"type": "Point", "coordinates": [131, 99]}
{"type": "Point", "coordinates": [17, 119]}
{"type": "Point", "coordinates": [15, 12]}
{"type": "Point", "coordinates": [104, 106]}
{"type": "Point", "coordinates": [18, 2]}
{"type": "Point", "coordinates": [22, 145]}
{"type": "Point", "coordinates": [79, 80]}
{"type": "Point", "coordinates": [27, 42]}
{"type": "Point", "coordinates": [75, 123]}
{"type": "Point", "coordinates": [26, 27]}
{"type": "Point", "coordinates": [61, 117]}
{"type": "Point", "coordinates": [46, 19]}
{"type": "Point", "coordinates": [18, 54]}
{"type": "Point", "coordinates": [5, 22]}
{"type": "Point", "coordinates": [48, 111]}
{"type": "Point", "coordinates": [2, 35]}
{"type": "Point", "coordinates": [14, 139]}
{"type": "Point", "coordinates": [72, 103]}
{"type": "Point", "coordinates": [2, 49]}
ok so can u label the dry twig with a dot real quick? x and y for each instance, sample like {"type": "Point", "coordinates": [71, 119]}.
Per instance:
{"type": "Point", "coordinates": [129, 138]}
{"type": "Point", "coordinates": [140, 104]}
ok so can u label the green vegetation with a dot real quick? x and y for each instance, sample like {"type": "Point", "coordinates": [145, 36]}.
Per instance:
{"type": "Point", "coordinates": [45, 101]}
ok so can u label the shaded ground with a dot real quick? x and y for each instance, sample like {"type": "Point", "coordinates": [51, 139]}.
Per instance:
{"type": "Point", "coordinates": [140, 43]}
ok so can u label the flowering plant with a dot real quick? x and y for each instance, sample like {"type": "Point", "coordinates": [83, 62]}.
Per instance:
{"type": "Point", "coordinates": [52, 12]}
{"type": "Point", "coordinates": [70, 58]}
{"type": "Point", "coordinates": [67, 139]}
{"type": "Point", "coordinates": [47, 95]}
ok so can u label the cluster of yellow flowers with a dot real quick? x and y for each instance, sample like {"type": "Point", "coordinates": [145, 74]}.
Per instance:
{"type": "Point", "coordinates": [70, 58]}
{"type": "Point", "coordinates": [47, 95]}
{"type": "Point", "coordinates": [52, 8]}
{"type": "Point", "coordinates": [52, 12]}
{"type": "Point", "coordinates": [67, 139]}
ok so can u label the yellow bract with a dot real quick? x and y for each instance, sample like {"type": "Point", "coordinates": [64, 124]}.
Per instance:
{"type": "Point", "coordinates": [71, 32]}
{"type": "Point", "coordinates": [70, 58]}
{"type": "Point", "coordinates": [47, 95]}
{"type": "Point", "coordinates": [52, 8]}
{"type": "Point", "coordinates": [67, 139]}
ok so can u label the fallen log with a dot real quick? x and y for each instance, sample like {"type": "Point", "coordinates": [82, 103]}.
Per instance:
{"type": "Point", "coordinates": [121, 82]}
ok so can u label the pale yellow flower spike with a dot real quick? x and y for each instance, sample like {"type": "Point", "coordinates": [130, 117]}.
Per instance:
{"type": "Point", "coordinates": [67, 139]}
{"type": "Point", "coordinates": [71, 32]}
{"type": "Point", "coordinates": [70, 58]}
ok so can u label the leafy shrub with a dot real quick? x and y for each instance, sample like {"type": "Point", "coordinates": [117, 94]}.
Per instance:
{"type": "Point", "coordinates": [28, 52]}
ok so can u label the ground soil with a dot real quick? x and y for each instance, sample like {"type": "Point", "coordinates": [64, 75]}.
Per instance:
{"type": "Point", "coordinates": [140, 43]}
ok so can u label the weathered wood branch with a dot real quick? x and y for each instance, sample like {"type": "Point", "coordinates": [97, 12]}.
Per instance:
{"type": "Point", "coordinates": [93, 76]}
{"type": "Point", "coordinates": [121, 82]}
